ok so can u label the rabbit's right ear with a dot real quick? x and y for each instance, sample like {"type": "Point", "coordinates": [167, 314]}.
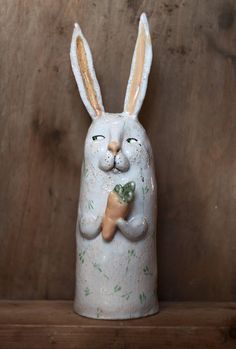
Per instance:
{"type": "Point", "coordinates": [82, 66]}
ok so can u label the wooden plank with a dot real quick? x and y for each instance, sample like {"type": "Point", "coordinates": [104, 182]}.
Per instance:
{"type": "Point", "coordinates": [189, 114]}
{"type": "Point", "coordinates": [52, 324]}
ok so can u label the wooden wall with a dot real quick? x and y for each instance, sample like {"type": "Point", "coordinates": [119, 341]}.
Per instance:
{"type": "Point", "coordinates": [189, 114]}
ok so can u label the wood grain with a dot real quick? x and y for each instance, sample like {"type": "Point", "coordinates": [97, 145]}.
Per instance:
{"type": "Point", "coordinates": [189, 114]}
{"type": "Point", "coordinates": [52, 324]}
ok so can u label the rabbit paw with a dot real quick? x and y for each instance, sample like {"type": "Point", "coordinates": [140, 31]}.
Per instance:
{"type": "Point", "coordinates": [134, 229]}
{"type": "Point", "coordinates": [90, 227]}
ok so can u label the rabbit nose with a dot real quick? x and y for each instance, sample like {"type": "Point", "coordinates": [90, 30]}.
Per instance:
{"type": "Point", "coordinates": [114, 147]}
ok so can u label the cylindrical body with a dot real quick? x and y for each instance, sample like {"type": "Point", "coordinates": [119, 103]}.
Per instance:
{"type": "Point", "coordinates": [117, 279]}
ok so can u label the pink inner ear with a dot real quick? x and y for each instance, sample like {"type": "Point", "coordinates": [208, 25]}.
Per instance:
{"type": "Point", "coordinates": [137, 72]}
{"type": "Point", "coordinates": [86, 76]}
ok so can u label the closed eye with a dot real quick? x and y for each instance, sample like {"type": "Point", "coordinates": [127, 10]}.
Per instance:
{"type": "Point", "coordinates": [98, 137]}
{"type": "Point", "coordinates": [131, 140]}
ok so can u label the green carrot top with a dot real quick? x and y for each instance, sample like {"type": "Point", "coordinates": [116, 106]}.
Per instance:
{"type": "Point", "coordinates": [125, 192]}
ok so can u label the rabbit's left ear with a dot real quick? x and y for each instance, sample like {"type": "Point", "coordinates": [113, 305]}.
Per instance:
{"type": "Point", "coordinates": [82, 66]}
{"type": "Point", "coordinates": [140, 68]}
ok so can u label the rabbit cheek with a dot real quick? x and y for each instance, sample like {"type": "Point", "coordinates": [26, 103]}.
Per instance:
{"type": "Point", "coordinates": [122, 162]}
{"type": "Point", "coordinates": [95, 149]}
{"type": "Point", "coordinates": [134, 154]}
{"type": "Point", "coordinates": [146, 157]}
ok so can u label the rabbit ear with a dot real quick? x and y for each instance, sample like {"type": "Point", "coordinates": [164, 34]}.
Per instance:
{"type": "Point", "coordinates": [140, 68]}
{"type": "Point", "coordinates": [82, 66]}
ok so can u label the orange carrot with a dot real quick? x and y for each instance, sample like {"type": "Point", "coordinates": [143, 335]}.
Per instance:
{"type": "Point", "coordinates": [118, 206]}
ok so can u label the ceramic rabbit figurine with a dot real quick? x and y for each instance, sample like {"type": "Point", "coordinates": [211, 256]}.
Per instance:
{"type": "Point", "coordinates": [116, 271]}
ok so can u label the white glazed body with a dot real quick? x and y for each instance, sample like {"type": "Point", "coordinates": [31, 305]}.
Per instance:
{"type": "Point", "coordinates": [117, 279]}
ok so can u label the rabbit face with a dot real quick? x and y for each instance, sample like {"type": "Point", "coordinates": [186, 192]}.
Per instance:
{"type": "Point", "coordinates": [115, 143]}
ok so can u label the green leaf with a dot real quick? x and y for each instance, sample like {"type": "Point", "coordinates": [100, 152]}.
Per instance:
{"type": "Point", "coordinates": [85, 172]}
{"type": "Point", "coordinates": [90, 205]}
{"type": "Point", "coordinates": [87, 291]}
{"type": "Point", "coordinates": [117, 288]}
{"type": "Point", "coordinates": [142, 297]}
{"type": "Point", "coordinates": [97, 266]}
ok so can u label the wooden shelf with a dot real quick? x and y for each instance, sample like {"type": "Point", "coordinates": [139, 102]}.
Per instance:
{"type": "Point", "coordinates": [52, 324]}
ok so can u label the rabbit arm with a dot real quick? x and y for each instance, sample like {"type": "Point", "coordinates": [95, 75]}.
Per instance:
{"type": "Point", "coordinates": [134, 229]}
{"type": "Point", "coordinates": [90, 226]}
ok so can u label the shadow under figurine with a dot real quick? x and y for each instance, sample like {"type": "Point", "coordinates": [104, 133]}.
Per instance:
{"type": "Point", "coordinates": [116, 270]}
